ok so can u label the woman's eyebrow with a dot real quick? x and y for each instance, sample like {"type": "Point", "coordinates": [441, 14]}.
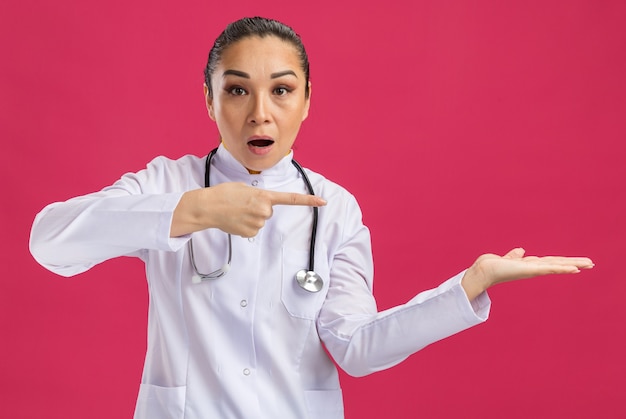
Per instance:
{"type": "Point", "coordinates": [247, 76]}
{"type": "Point", "coordinates": [236, 73]}
{"type": "Point", "coordinates": [283, 73]}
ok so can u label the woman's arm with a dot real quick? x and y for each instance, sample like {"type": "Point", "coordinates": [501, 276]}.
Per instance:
{"type": "Point", "coordinates": [72, 236]}
{"type": "Point", "coordinates": [362, 340]}
{"type": "Point", "coordinates": [134, 213]}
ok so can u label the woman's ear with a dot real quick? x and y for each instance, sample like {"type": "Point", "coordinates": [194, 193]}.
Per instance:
{"type": "Point", "coordinates": [209, 102]}
{"type": "Point", "coordinates": [308, 104]}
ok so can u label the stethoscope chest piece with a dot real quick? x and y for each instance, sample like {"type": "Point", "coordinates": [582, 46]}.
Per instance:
{"type": "Point", "coordinates": [309, 280]}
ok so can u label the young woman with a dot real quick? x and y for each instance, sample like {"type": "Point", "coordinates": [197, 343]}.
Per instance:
{"type": "Point", "coordinates": [251, 338]}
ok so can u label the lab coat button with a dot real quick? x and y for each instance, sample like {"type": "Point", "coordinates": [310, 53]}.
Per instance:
{"type": "Point", "coordinates": [246, 371]}
{"type": "Point", "coordinates": [243, 303]}
{"type": "Point", "coordinates": [255, 182]}
{"type": "Point", "coordinates": [251, 239]}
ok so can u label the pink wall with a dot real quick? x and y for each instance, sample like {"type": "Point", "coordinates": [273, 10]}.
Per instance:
{"type": "Point", "coordinates": [461, 127]}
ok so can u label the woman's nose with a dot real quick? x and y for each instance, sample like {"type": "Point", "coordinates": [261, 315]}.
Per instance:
{"type": "Point", "coordinates": [259, 110]}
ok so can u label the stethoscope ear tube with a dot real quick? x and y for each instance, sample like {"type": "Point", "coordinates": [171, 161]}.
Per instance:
{"type": "Point", "coordinates": [199, 277]}
{"type": "Point", "coordinates": [309, 187]}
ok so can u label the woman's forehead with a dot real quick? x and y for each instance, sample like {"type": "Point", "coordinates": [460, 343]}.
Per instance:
{"type": "Point", "coordinates": [254, 52]}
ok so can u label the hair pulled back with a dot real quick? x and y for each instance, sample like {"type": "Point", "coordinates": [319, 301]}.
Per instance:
{"type": "Point", "coordinates": [254, 26]}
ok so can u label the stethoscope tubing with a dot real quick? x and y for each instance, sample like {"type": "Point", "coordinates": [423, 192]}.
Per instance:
{"type": "Point", "coordinates": [307, 279]}
{"type": "Point", "coordinates": [307, 182]}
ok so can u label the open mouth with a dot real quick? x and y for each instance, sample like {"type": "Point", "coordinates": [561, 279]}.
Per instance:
{"type": "Point", "coordinates": [261, 142]}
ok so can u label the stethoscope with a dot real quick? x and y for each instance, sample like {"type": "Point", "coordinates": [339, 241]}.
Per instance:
{"type": "Point", "coordinates": [306, 278]}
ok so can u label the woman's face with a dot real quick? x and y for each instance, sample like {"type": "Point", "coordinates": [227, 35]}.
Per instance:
{"type": "Point", "coordinates": [258, 100]}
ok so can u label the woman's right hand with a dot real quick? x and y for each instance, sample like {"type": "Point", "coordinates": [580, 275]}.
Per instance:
{"type": "Point", "coordinates": [234, 208]}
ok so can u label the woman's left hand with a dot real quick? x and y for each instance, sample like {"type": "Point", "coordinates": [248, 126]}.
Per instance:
{"type": "Point", "coordinates": [489, 269]}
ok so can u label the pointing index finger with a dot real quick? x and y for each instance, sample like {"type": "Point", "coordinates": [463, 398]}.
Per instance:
{"type": "Point", "coordinates": [292, 198]}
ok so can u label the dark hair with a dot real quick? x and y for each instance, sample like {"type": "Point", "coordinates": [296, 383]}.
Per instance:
{"type": "Point", "coordinates": [254, 26]}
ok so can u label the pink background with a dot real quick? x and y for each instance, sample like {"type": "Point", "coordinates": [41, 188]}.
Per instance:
{"type": "Point", "coordinates": [461, 127]}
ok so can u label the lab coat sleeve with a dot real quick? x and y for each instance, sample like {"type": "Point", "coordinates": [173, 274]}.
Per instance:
{"type": "Point", "coordinates": [123, 219]}
{"type": "Point", "coordinates": [362, 340]}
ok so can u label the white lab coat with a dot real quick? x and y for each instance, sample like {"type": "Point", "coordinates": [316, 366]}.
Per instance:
{"type": "Point", "coordinates": [250, 344]}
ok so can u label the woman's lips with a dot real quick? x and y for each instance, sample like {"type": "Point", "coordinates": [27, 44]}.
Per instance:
{"type": "Point", "coordinates": [260, 146]}
{"type": "Point", "coordinates": [261, 142]}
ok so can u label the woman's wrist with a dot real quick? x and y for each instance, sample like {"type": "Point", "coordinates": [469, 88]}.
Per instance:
{"type": "Point", "coordinates": [474, 282]}
{"type": "Point", "coordinates": [188, 216]}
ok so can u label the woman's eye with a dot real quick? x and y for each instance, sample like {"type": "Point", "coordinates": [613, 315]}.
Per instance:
{"type": "Point", "coordinates": [237, 91]}
{"type": "Point", "coordinates": [281, 91]}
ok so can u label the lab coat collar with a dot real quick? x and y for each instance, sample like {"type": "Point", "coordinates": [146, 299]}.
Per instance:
{"type": "Point", "coordinates": [278, 174]}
